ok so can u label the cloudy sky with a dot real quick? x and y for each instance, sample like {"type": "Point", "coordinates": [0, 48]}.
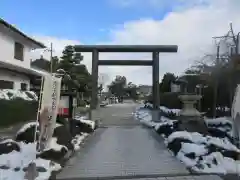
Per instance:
{"type": "Point", "coordinates": [190, 24]}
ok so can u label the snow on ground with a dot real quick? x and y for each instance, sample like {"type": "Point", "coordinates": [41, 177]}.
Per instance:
{"type": "Point", "coordinates": [121, 105]}
{"type": "Point", "coordinates": [85, 120]}
{"type": "Point", "coordinates": [220, 120]}
{"type": "Point", "coordinates": [9, 94]}
{"type": "Point", "coordinates": [224, 124]}
{"type": "Point", "coordinates": [25, 127]}
{"type": "Point", "coordinates": [16, 161]}
{"type": "Point", "coordinates": [163, 108]}
{"type": "Point", "coordinates": [78, 140]}
{"type": "Point", "coordinates": [167, 110]}
{"type": "Point", "coordinates": [54, 145]}
{"type": "Point", "coordinates": [223, 108]}
{"type": "Point", "coordinates": [12, 164]}
{"type": "Point", "coordinates": [202, 154]}
{"type": "Point", "coordinates": [144, 116]}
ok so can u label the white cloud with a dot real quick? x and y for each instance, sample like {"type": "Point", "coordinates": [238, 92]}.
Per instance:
{"type": "Point", "coordinates": [158, 4]}
{"type": "Point", "coordinates": [190, 28]}
{"type": "Point", "coordinates": [58, 44]}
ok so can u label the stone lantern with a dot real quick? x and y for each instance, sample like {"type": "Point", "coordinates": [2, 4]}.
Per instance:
{"type": "Point", "coordinates": [190, 118]}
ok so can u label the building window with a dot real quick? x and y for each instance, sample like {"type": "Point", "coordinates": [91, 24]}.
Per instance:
{"type": "Point", "coordinates": [6, 84]}
{"type": "Point", "coordinates": [18, 51]}
{"type": "Point", "coordinates": [23, 86]}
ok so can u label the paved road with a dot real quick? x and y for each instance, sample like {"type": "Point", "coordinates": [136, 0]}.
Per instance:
{"type": "Point", "coordinates": [116, 115]}
{"type": "Point", "coordinates": [123, 149]}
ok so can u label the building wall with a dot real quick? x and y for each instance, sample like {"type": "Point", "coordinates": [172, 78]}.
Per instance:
{"type": "Point", "coordinates": [15, 77]}
{"type": "Point", "coordinates": [7, 41]}
{"type": "Point", "coordinates": [175, 87]}
{"type": "Point", "coordinates": [145, 89]}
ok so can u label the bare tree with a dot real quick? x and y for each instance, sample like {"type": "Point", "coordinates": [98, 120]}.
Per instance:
{"type": "Point", "coordinates": [221, 61]}
{"type": "Point", "coordinates": [231, 42]}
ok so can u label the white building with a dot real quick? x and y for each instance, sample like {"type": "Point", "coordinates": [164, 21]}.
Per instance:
{"type": "Point", "coordinates": [145, 89]}
{"type": "Point", "coordinates": [15, 58]}
{"type": "Point", "coordinates": [175, 87]}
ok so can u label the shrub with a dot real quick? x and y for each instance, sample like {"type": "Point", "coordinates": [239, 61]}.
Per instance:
{"type": "Point", "coordinates": [82, 110]}
{"type": "Point", "coordinates": [219, 113]}
{"type": "Point", "coordinates": [17, 110]}
{"type": "Point", "coordinates": [82, 103]}
{"type": "Point", "coordinates": [170, 115]}
{"type": "Point", "coordinates": [169, 100]}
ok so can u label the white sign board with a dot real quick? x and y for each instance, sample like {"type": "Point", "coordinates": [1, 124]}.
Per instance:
{"type": "Point", "coordinates": [49, 109]}
{"type": "Point", "coordinates": [175, 87]}
{"type": "Point", "coordinates": [64, 105]}
{"type": "Point", "coordinates": [74, 102]}
{"type": "Point", "coordinates": [236, 113]}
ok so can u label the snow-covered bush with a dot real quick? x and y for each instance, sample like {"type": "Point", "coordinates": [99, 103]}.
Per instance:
{"type": "Point", "coordinates": [169, 114]}
{"type": "Point", "coordinates": [220, 127]}
{"type": "Point", "coordinates": [8, 145]}
{"type": "Point", "coordinates": [220, 112]}
{"type": "Point", "coordinates": [166, 112]}
{"type": "Point", "coordinates": [172, 111]}
{"type": "Point", "coordinates": [222, 123]}
{"type": "Point", "coordinates": [79, 126]}
{"type": "Point", "coordinates": [14, 163]}
{"type": "Point", "coordinates": [10, 94]}
{"type": "Point", "coordinates": [66, 139]}
{"type": "Point", "coordinates": [203, 153]}
{"type": "Point", "coordinates": [60, 146]}
{"type": "Point", "coordinates": [15, 156]}
{"type": "Point", "coordinates": [148, 105]}
{"type": "Point", "coordinates": [26, 133]}
{"type": "Point", "coordinates": [166, 128]}
{"type": "Point", "coordinates": [212, 153]}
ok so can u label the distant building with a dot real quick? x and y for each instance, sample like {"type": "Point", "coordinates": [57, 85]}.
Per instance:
{"type": "Point", "coordinates": [145, 89]}
{"type": "Point", "coordinates": [175, 87]}
{"type": "Point", "coordinates": [15, 58]}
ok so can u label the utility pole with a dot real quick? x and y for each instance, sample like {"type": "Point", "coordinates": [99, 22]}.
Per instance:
{"type": "Point", "coordinates": [51, 56]}
{"type": "Point", "coordinates": [199, 87]}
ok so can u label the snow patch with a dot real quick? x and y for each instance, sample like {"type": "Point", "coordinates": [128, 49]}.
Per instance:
{"type": "Point", "coordinates": [9, 94]}
{"type": "Point", "coordinates": [84, 119]}
{"type": "Point", "coordinates": [202, 154]}
{"type": "Point", "coordinates": [54, 145]}
{"type": "Point", "coordinates": [167, 110]}
{"type": "Point", "coordinates": [26, 126]}
{"type": "Point", "coordinates": [77, 140]}
{"type": "Point", "coordinates": [21, 159]}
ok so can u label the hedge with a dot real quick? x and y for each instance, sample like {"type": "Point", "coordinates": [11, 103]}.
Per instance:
{"type": "Point", "coordinates": [16, 111]}
{"type": "Point", "coordinates": [170, 100]}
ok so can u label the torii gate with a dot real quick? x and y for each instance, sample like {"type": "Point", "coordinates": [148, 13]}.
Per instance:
{"type": "Point", "coordinates": [154, 49]}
